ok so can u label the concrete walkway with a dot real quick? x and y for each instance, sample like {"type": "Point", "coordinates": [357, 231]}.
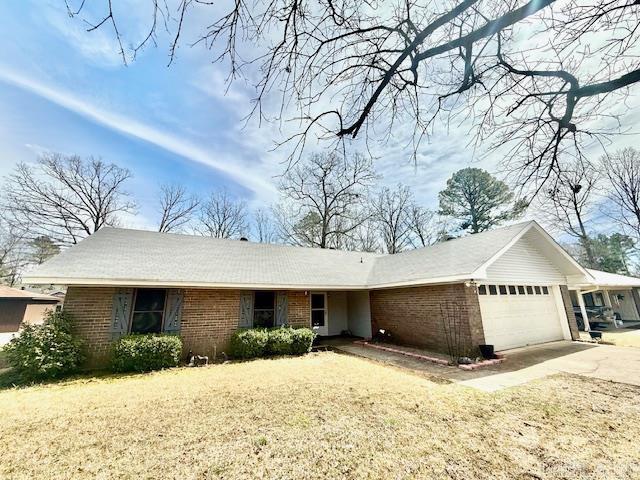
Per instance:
{"type": "Point", "coordinates": [618, 364]}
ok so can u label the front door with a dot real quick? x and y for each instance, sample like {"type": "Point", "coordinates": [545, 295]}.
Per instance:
{"type": "Point", "coordinates": [319, 317]}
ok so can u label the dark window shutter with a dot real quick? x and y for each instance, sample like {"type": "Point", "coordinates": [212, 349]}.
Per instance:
{"type": "Point", "coordinates": [282, 309]}
{"type": "Point", "coordinates": [173, 311]}
{"type": "Point", "coordinates": [246, 310]}
{"type": "Point", "coordinates": [122, 305]}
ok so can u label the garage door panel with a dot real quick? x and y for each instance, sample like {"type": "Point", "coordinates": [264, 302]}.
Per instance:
{"type": "Point", "coordinates": [512, 321]}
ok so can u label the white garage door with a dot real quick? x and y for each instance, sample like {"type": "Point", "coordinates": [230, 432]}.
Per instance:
{"type": "Point", "coordinates": [519, 315]}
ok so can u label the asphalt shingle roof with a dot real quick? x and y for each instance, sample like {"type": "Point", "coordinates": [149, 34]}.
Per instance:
{"type": "Point", "coordinates": [115, 255]}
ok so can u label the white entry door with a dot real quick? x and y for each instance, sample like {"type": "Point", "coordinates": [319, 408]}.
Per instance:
{"type": "Point", "coordinates": [515, 316]}
{"type": "Point", "coordinates": [319, 317]}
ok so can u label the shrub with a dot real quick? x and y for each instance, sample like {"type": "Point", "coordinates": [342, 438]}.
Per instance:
{"type": "Point", "coordinates": [280, 341]}
{"type": "Point", "coordinates": [143, 353]}
{"type": "Point", "coordinates": [259, 342]}
{"type": "Point", "coordinates": [301, 341]}
{"type": "Point", "coordinates": [250, 343]}
{"type": "Point", "coordinates": [45, 351]}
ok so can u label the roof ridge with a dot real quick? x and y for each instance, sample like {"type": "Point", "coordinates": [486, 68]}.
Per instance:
{"type": "Point", "coordinates": [234, 241]}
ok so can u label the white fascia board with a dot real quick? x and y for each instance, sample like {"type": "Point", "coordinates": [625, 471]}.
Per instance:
{"type": "Point", "coordinates": [98, 282]}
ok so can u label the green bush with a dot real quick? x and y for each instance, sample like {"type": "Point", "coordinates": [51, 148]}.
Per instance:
{"type": "Point", "coordinates": [301, 341]}
{"type": "Point", "coordinates": [45, 351]}
{"type": "Point", "coordinates": [143, 353]}
{"type": "Point", "coordinates": [280, 341]}
{"type": "Point", "coordinates": [260, 342]}
{"type": "Point", "coordinates": [251, 343]}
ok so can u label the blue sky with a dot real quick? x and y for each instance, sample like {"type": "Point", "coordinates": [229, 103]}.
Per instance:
{"type": "Point", "coordinates": [65, 90]}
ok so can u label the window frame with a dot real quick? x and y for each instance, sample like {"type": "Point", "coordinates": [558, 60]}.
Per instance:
{"type": "Point", "coordinates": [274, 309]}
{"type": "Point", "coordinates": [323, 309]}
{"type": "Point", "coordinates": [134, 311]}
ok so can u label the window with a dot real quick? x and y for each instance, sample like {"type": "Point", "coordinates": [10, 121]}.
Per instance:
{"type": "Point", "coordinates": [264, 312]}
{"type": "Point", "coordinates": [503, 289]}
{"type": "Point", "coordinates": [482, 290]}
{"type": "Point", "coordinates": [512, 289]}
{"type": "Point", "coordinates": [520, 290]}
{"type": "Point", "coordinates": [588, 300]}
{"type": "Point", "coordinates": [493, 290]}
{"type": "Point", "coordinates": [318, 309]}
{"type": "Point", "coordinates": [545, 290]}
{"type": "Point", "coordinates": [529, 290]}
{"type": "Point", "coordinates": [148, 310]}
{"type": "Point", "coordinates": [538, 291]}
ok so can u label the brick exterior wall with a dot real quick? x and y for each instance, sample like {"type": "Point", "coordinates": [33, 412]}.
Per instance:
{"type": "Point", "coordinates": [91, 308]}
{"type": "Point", "coordinates": [571, 317]}
{"type": "Point", "coordinates": [209, 318]}
{"type": "Point", "coordinates": [299, 309]}
{"type": "Point", "coordinates": [413, 315]}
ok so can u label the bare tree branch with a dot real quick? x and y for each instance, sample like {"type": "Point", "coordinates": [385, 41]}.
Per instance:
{"type": "Point", "coordinates": [221, 216]}
{"type": "Point", "coordinates": [65, 197]}
{"type": "Point", "coordinates": [176, 208]}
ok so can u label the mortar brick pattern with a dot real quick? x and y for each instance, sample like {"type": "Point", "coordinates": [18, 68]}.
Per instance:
{"type": "Point", "coordinates": [299, 309]}
{"type": "Point", "coordinates": [413, 315]}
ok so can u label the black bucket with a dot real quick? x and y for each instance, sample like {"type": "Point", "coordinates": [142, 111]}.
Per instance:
{"type": "Point", "coordinates": [487, 351]}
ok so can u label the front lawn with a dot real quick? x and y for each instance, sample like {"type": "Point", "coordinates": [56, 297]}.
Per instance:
{"type": "Point", "coordinates": [324, 415]}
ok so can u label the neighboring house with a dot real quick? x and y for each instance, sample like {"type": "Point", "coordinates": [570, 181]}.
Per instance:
{"type": "Point", "coordinates": [508, 286]}
{"type": "Point", "coordinates": [21, 306]}
{"type": "Point", "coordinates": [617, 292]}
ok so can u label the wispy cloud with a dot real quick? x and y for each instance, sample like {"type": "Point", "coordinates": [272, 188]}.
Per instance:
{"type": "Point", "coordinates": [250, 177]}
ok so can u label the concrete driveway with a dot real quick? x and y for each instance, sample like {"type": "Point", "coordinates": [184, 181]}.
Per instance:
{"type": "Point", "coordinates": [606, 362]}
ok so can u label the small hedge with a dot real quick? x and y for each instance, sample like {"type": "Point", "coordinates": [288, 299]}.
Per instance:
{"type": "Point", "coordinates": [143, 353]}
{"type": "Point", "coordinates": [261, 342]}
{"type": "Point", "coordinates": [46, 351]}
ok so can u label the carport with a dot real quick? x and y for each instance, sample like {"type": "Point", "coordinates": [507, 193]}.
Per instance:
{"type": "Point", "coordinates": [617, 292]}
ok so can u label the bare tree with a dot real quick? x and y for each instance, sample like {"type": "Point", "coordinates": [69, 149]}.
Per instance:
{"type": "Point", "coordinates": [350, 66]}
{"type": "Point", "coordinates": [623, 171]}
{"type": "Point", "coordinates": [366, 237]}
{"type": "Point", "coordinates": [12, 253]}
{"type": "Point", "coordinates": [65, 198]}
{"type": "Point", "coordinates": [263, 227]}
{"type": "Point", "coordinates": [425, 227]}
{"type": "Point", "coordinates": [323, 199]}
{"type": "Point", "coordinates": [221, 216]}
{"type": "Point", "coordinates": [571, 202]}
{"type": "Point", "coordinates": [177, 208]}
{"type": "Point", "coordinates": [392, 212]}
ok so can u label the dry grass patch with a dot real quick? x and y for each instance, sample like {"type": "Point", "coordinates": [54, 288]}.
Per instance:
{"type": "Point", "coordinates": [321, 416]}
{"type": "Point", "coordinates": [622, 338]}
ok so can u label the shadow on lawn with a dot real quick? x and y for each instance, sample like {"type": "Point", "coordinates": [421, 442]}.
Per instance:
{"type": "Point", "coordinates": [9, 378]}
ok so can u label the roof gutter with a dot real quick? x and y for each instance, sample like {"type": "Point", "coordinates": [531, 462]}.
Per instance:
{"type": "Point", "coordinates": [99, 282]}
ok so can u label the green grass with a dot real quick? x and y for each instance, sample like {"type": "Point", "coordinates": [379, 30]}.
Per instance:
{"type": "Point", "coordinates": [324, 415]}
